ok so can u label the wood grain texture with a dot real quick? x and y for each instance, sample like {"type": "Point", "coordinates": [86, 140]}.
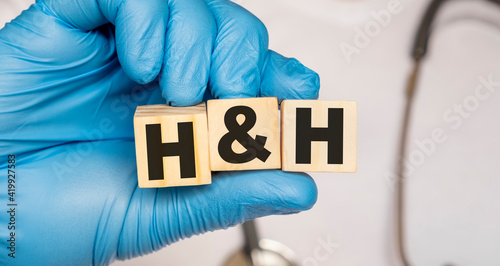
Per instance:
{"type": "Point", "coordinates": [266, 125]}
{"type": "Point", "coordinates": [319, 149]}
{"type": "Point", "coordinates": [169, 117]}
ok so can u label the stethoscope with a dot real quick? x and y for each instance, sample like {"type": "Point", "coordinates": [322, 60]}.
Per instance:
{"type": "Point", "coordinates": [261, 252]}
{"type": "Point", "coordinates": [418, 53]}
{"type": "Point", "coordinates": [256, 251]}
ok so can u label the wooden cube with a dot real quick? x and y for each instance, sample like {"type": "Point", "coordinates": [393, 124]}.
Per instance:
{"type": "Point", "coordinates": [319, 136]}
{"type": "Point", "coordinates": [171, 146]}
{"type": "Point", "coordinates": [244, 134]}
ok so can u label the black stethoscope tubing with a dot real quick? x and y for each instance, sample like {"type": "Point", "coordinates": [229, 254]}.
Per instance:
{"type": "Point", "coordinates": [419, 51]}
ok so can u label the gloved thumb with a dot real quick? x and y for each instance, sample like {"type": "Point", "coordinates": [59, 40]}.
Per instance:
{"type": "Point", "coordinates": [234, 197]}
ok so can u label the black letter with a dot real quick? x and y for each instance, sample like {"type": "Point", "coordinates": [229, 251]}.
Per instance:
{"type": "Point", "coordinates": [255, 147]}
{"type": "Point", "coordinates": [157, 150]}
{"type": "Point", "coordinates": [333, 134]}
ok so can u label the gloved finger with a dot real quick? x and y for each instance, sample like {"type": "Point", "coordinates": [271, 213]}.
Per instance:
{"type": "Point", "coordinates": [140, 37]}
{"type": "Point", "coordinates": [286, 78]}
{"type": "Point", "coordinates": [190, 37]}
{"type": "Point", "coordinates": [140, 29]}
{"type": "Point", "coordinates": [240, 49]}
{"type": "Point", "coordinates": [232, 198]}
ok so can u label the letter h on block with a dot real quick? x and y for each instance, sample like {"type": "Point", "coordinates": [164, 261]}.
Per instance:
{"type": "Point", "coordinates": [318, 136]}
{"type": "Point", "coordinates": [171, 146]}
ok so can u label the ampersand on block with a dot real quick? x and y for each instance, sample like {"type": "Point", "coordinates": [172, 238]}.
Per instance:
{"type": "Point", "coordinates": [244, 134]}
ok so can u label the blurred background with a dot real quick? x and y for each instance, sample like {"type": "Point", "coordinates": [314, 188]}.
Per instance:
{"type": "Point", "coordinates": [363, 54]}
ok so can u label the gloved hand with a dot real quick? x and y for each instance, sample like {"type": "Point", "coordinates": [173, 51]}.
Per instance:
{"type": "Point", "coordinates": [69, 84]}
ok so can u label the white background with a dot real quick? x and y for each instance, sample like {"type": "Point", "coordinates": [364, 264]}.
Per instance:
{"type": "Point", "coordinates": [453, 196]}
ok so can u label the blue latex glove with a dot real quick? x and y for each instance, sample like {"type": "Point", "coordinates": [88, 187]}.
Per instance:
{"type": "Point", "coordinates": [69, 84]}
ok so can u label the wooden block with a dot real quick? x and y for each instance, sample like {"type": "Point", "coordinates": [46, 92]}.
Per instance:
{"type": "Point", "coordinates": [244, 134]}
{"type": "Point", "coordinates": [171, 146]}
{"type": "Point", "coordinates": [319, 136]}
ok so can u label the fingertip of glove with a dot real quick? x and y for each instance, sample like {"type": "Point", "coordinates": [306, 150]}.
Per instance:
{"type": "Point", "coordinates": [278, 192]}
{"type": "Point", "coordinates": [313, 82]}
{"type": "Point", "coordinates": [143, 72]}
{"type": "Point", "coordinates": [304, 79]}
{"type": "Point", "coordinates": [184, 97]}
{"type": "Point", "coordinates": [300, 193]}
{"type": "Point", "coordinates": [142, 64]}
{"type": "Point", "coordinates": [288, 78]}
